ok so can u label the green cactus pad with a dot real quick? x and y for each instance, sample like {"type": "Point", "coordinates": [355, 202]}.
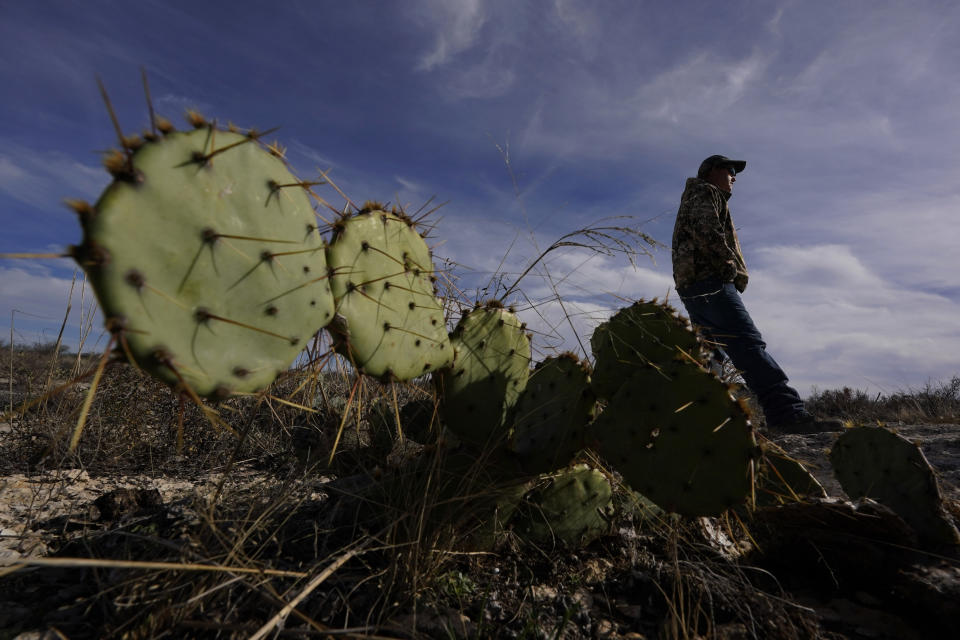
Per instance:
{"type": "Point", "coordinates": [206, 260]}
{"type": "Point", "coordinates": [683, 442]}
{"type": "Point", "coordinates": [630, 503]}
{"type": "Point", "coordinates": [645, 333]}
{"type": "Point", "coordinates": [782, 479]}
{"type": "Point", "coordinates": [552, 413]}
{"type": "Point", "coordinates": [489, 372]}
{"type": "Point", "coordinates": [389, 320]}
{"type": "Point", "coordinates": [568, 506]}
{"type": "Point", "coordinates": [880, 464]}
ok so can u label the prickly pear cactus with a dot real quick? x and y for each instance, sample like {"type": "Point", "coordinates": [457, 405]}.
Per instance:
{"type": "Point", "coordinates": [552, 413]}
{"type": "Point", "coordinates": [389, 320]}
{"type": "Point", "coordinates": [570, 506]}
{"type": "Point", "coordinates": [206, 259]}
{"type": "Point", "coordinates": [782, 479]}
{"type": "Point", "coordinates": [489, 372]}
{"type": "Point", "coordinates": [645, 333]}
{"type": "Point", "coordinates": [682, 441]}
{"type": "Point", "coordinates": [879, 464]}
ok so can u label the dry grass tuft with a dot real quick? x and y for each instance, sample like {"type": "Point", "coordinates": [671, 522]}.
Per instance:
{"type": "Point", "coordinates": [935, 402]}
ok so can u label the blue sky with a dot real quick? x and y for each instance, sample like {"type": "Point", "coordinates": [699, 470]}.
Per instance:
{"type": "Point", "coordinates": [533, 119]}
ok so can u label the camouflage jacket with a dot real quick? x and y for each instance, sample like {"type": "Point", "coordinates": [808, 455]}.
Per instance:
{"type": "Point", "coordinates": [705, 245]}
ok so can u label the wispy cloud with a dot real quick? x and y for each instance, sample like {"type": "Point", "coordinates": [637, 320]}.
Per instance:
{"type": "Point", "coordinates": [43, 179]}
{"type": "Point", "coordinates": [456, 26]}
{"type": "Point", "coordinates": [174, 106]}
{"type": "Point", "coordinates": [304, 154]}
{"type": "Point", "coordinates": [487, 79]}
{"type": "Point", "coordinates": [562, 325]}
{"type": "Point", "coordinates": [582, 274]}
{"type": "Point", "coordinates": [825, 315]}
{"type": "Point", "coordinates": [583, 23]}
{"type": "Point", "coordinates": [905, 235]}
{"type": "Point", "coordinates": [36, 301]}
{"type": "Point", "coordinates": [680, 94]}
{"type": "Point", "coordinates": [412, 194]}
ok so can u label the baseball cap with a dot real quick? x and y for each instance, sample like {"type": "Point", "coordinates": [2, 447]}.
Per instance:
{"type": "Point", "coordinates": [720, 161]}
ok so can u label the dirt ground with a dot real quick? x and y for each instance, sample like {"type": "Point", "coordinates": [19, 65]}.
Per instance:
{"type": "Point", "coordinates": [58, 496]}
{"type": "Point", "coordinates": [614, 588]}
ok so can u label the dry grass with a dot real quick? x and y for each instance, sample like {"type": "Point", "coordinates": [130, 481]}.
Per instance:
{"type": "Point", "coordinates": [373, 542]}
{"type": "Point", "coordinates": [935, 402]}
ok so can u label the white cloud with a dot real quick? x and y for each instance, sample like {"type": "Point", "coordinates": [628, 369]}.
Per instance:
{"type": "Point", "coordinates": [707, 83]}
{"type": "Point", "coordinates": [43, 179]}
{"type": "Point", "coordinates": [173, 107]}
{"type": "Point", "coordinates": [457, 25]}
{"type": "Point", "coordinates": [565, 326]}
{"type": "Point", "coordinates": [898, 46]}
{"type": "Point", "coordinates": [831, 321]}
{"type": "Point", "coordinates": [479, 46]}
{"type": "Point", "coordinates": [828, 319]}
{"type": "Point", "coordinates": [582, 274]}
{"type": "Point", "coordinates": [309, 155]}
{"type": "Point", "coordinates": [700, 97]}
{"type": "Point", "coordinates": [822, 266]}
{"type": "Point", "coordinates": [867, 82]}
{"type": "Point", "coordinates": [583, 23]}
{"type": "Point", "coordinates": [487, 79]}
{"type": "Point", "coordinates": [409, 189]}
{"type": "Point", "coordinates": [773, 24]}
{"type": "Point", "coordinates": [908, 235]}
{"type": "Point", "coordinates": [37, 300]}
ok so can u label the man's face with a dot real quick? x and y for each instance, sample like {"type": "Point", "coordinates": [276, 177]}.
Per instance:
{"type": "Point", "coordinates": [722, 178]}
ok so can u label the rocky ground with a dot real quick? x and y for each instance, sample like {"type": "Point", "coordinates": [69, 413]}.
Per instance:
{"type": "Point", "coordinates": [629, 584]}
{"type": "Point", "coordinates": [940, 444]}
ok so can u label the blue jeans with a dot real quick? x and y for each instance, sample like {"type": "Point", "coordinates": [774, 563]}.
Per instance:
{"type": "Point", "coordinates": [717, 310]}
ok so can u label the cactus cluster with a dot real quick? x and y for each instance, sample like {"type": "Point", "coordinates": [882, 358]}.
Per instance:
{"type": "Point", "coordinates": [671, 427]}
{"type": "Point", "coordinates": [211, 269]}
{"type": "Point", "coordinates": [212, 272]}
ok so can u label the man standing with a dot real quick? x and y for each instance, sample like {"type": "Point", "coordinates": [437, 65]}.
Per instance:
{"type": "Point", "coordinates": [710, 274]}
